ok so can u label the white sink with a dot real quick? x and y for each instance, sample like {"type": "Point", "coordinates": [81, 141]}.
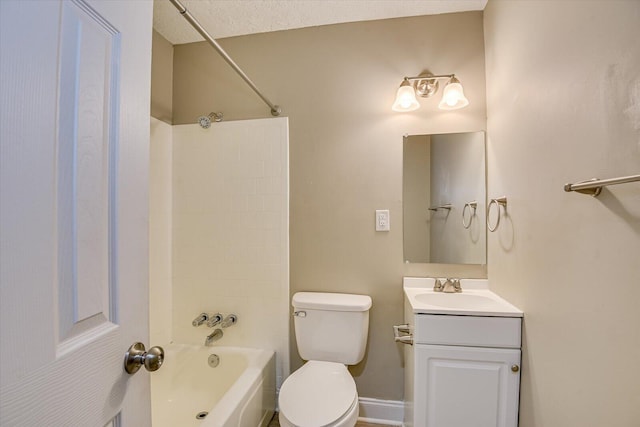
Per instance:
{"type": "Point", "coordinates": [475, 299]}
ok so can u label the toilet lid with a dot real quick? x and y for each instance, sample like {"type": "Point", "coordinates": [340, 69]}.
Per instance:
{"type": "Point", "coordinates": [317, 394]}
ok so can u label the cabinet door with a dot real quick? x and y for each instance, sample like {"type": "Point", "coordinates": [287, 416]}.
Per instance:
{"type": "Point", "coordinates": [466, 386]}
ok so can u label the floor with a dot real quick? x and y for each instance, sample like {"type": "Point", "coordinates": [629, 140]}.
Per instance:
{"type": "Point", "coordinates": [274, 423]}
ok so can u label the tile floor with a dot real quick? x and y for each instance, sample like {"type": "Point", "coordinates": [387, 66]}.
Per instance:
{"type": "Point", "coordinates": [274, 423]}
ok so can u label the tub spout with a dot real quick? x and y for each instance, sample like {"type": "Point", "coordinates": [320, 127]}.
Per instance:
{"type": "Point", "coordinates": [212, 337]}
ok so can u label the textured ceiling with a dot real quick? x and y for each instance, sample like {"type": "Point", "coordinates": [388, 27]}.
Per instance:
{"type": "Point", "coordinates": [226, 18]}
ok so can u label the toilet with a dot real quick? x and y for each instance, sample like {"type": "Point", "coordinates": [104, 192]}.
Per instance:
{"type": "Point", "coordinates": [331, 332]}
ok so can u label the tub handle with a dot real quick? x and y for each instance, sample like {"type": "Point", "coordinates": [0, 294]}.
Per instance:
{"type": "Point", "coordinates": [137, 356]}
{"type": "Point", "coordinates": [230, 320]}
{"type": "Point", "coordinates": [214, 320]}
{"type": "Point", "coordinates": [203, 317]}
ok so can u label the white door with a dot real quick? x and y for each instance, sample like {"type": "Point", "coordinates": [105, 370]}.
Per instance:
{"type": "Point", "coordinates": [74, 136]}
{"type": "Point", "coordinates": [466, 386]}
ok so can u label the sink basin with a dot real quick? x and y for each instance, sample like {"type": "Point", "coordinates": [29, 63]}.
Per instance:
{"type": "Point", "coordinates": [475, 299]}
{"type": "Point", "coordinates": [459, 301]}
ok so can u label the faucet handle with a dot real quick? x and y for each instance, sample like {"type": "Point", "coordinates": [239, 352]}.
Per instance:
{"type": "Point", "coordinates": [203, 317]}
{"type": "Point", "coordinates": [447, 287]}
{"type": "Point", "coordinates": [214, 320]}
{"type": "Point", "coordinates": [229, 320]}
{"type": "Point", "coordinates": [437, 286]}
{"type": "Point", "coordinates": [456, 285]}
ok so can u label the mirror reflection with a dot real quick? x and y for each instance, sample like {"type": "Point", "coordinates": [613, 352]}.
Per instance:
{"type": "Point", "coordinates": [444, 198]}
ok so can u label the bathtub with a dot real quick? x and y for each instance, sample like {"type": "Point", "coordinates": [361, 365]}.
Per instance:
{"type": "Point", "coordinates": [239, 392]}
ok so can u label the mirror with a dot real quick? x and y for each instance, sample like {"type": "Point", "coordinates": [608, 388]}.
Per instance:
{"type": "Point", "coordinates": [443, 175]}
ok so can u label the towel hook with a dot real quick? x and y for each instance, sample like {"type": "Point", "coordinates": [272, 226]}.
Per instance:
{"type": "Point", "coordinates": [500, 201]}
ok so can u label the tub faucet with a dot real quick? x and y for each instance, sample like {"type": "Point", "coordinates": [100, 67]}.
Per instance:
{"type": "Point", "coordinates": [203, 317]}
{"type": "Point", "coordinates": [214, 320]}
{"type": "Point", "coordinates": [213, 336]}
{"type": "Point", "coordinates": [229, 321]}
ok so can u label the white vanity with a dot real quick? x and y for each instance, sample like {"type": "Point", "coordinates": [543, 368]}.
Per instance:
{"type": "Point", "coordinates": [462, 361]}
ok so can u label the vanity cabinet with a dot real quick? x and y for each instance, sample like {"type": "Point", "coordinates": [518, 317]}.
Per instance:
{"type": "Point", "coordinates": [462, 371]}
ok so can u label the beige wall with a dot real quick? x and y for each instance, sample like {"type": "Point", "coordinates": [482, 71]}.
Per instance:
{"type": "Point", "coordinates": [563, 84]}
{"type": "Point", "coordinates": [336, 84]}
{"type": "Point", "coordinates": [161, 78]}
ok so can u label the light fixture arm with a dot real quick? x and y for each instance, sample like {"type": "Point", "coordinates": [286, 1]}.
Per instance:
{"type": "Point", "coordinates": [429, 77]}
{"type": "Point", "coordinates": [426, 85]}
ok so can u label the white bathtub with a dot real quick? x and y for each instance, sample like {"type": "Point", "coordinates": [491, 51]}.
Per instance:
{"type": "Point", "coordinates": [239, 392]}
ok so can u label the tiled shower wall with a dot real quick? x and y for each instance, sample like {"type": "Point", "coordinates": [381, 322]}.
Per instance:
{"type": "Point", "coordinates": [231, 233]}
{"type": "Point", "coordinates": [160, 232]}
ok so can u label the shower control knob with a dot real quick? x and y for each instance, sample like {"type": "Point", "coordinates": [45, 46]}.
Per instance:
{"type": "Point", "coordinates": [137, 356]}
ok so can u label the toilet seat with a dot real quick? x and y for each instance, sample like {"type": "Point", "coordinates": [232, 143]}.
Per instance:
{"type": "Point", "coordinates": [318, 394]}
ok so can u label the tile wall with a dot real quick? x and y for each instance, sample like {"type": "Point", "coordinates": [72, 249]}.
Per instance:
{"type": "Point", "coordinates": [231, 232]}
{"type": "Point", "coordinates": [160, 207]}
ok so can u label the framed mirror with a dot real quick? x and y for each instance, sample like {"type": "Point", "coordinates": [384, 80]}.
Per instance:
{"type": "Point", "coordinates": [444, 198]}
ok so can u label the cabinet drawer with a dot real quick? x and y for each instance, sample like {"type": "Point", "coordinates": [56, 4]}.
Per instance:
{"type": "Point", "coordinates": [473, 331]}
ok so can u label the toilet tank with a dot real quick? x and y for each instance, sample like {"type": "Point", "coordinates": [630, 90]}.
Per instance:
{"type": "Point", "coordinates": [331, 327]}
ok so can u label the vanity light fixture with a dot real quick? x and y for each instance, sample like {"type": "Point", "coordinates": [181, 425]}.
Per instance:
{"type": "Point", "coordinates": [425, 85]}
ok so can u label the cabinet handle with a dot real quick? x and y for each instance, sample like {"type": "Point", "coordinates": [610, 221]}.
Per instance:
{"type": "Point", "coordinates": [515, 368]}
{"type": "Point", "coordinates": [402, 333]}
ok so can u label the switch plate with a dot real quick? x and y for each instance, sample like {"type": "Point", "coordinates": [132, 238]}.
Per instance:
{"type": "Point", "coordinates": [382, 220]}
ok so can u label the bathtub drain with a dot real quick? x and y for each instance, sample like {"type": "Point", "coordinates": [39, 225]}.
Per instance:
{"type": "Point", "coordinates": [202, 415]}
{"type": "Point", "coordinates": [213, 360]}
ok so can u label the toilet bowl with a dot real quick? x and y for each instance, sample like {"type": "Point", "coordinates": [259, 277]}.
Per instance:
{"type": "Point", "coordinates": [319, 394]}
{"type": "Point", "coordinates": [331, 332]}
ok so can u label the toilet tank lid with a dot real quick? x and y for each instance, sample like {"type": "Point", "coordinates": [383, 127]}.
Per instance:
{"type": "Point", "coordinates": [331, 301]}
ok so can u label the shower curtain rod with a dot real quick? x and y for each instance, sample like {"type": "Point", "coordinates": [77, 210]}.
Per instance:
{"type": "Point", "coordinates": [275, 109]}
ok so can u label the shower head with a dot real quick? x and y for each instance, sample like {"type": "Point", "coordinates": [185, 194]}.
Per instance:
{"type": "Point", "coordinates": [205, 121]}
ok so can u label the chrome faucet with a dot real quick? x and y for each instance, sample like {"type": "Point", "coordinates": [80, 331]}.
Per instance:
{"type": "Point", "coordinates": [203, 317]}
{"type": "Point", "coordinates": [229, 321]}
{"type": "Point", "coordinates": [451, 286]}
{"type": "Point", "coordinates": [437, 286]}
{"type": "Point", "coordinates": [214, 320]}
{"type": "Point", "coordinates": [213, 336]}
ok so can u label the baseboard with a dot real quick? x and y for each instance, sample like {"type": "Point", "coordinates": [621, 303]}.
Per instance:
{"type": "Point", "coordinates": [376, 411]}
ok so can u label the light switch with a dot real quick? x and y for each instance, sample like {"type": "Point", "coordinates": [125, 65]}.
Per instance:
{"type": "Point", "coordinates": [382, 220]}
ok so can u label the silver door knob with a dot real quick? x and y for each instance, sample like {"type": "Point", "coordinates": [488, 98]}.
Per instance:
{"type": "Point", "coordinates": [137, 356]}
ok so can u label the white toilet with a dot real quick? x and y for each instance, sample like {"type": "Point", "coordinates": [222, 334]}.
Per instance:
{"type": "Point", "coordinates": [331, 331]}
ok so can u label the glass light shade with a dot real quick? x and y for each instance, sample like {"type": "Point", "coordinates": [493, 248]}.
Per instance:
{"type": "Point", "coordinates": [453, 96]}
{"type": "Point", "coordinates": [405, 98]}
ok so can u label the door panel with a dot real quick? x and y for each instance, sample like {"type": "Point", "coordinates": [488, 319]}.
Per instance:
{"type": "Point", "coordinates": [73, 211]}
{"type": "Point", "coordinates": [466, 386]}
{"type": "Point", "coordinates": [87, 138]}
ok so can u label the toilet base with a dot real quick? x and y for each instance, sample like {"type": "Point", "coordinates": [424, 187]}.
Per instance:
{"type": "Point", "coordinates": [348, 420]}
